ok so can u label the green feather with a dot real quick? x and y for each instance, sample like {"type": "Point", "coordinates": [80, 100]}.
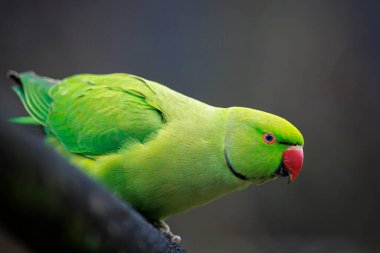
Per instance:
{"type": "Point", "coordinates": [25, 120]}
{"type": "Point", "coordinates": [34, 95]}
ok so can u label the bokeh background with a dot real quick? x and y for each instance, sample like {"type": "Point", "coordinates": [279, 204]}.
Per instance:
{"type": "Point", "coordinates": [315, 63]}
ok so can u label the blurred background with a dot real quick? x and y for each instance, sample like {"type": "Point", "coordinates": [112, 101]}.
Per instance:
{"type": "Point", "coordinates": [315, 63]}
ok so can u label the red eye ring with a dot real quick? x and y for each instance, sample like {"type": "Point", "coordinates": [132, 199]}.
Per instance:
{"type": "Point", "coordinates": [269, 138]}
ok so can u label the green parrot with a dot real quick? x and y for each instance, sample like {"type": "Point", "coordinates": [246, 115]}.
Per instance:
{"type": "Point", "coordinates": [155, 148]}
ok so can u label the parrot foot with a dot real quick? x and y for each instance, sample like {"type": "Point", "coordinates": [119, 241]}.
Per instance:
{"type": "Point", "coordinates": [165, 230]}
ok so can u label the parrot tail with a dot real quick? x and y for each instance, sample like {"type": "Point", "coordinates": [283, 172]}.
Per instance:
{"type": "Point", "coordinates": [33, 91]}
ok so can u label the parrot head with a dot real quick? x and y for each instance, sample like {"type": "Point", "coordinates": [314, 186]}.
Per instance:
{"type": "Point", "coordinates": [260, 146]}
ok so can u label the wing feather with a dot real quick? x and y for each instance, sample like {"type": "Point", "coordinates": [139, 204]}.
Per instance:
{"type": "Point", "coordinates": [97, 114]}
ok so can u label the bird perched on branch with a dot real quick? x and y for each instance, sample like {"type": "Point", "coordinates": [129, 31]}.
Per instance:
{"type": "Point", "coordinates": [159, 150]}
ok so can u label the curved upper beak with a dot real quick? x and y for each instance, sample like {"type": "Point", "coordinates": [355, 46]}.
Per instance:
{"type": "Point", "coordinates": [292, 160]}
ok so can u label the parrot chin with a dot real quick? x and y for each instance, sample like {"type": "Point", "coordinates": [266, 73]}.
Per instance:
{"type": "Point", "coordinates": [292, 160]}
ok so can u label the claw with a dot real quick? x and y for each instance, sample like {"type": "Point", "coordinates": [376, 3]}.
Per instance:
{"type": "Point", "coordinates": [176, 239]}
{"type": "Point", "coordinates": [165, 230]}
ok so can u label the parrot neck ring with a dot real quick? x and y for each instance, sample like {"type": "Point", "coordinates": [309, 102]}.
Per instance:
{"type": "Point", "coordinates": [231, 168]}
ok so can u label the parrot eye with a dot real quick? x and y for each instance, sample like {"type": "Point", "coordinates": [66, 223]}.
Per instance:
{"type": "Point", "coordinates": [269, 138]}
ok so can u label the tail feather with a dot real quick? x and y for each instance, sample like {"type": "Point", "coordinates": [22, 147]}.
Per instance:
{"type": "Point", "coordinates": [27, 120]}
{"type": "Point", "coordinates": [33, 91]}
{"type": "Point", "coordinates": [14, 76]}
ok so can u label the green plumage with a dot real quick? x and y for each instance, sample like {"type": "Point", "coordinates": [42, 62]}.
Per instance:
{"type": "Point", "coordinates": [159, 150]}
{"type": "Point", "coordinates": [95, 115]}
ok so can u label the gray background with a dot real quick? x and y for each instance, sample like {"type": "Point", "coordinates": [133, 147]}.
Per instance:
{"type": "Point", "coordinates": [315, 63]}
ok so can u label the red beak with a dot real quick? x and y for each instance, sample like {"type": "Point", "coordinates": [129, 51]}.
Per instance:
{"type": "Point", "coordinates": [292, 160]}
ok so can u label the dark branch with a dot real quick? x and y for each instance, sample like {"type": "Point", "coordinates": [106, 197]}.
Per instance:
{"type": "Point", "coordinates": [51, 206]}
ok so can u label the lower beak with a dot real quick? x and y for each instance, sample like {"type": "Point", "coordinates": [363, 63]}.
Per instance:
{"type": "Point", "coordinates": [292, 160]}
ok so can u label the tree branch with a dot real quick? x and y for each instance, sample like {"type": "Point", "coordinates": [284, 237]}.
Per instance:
{"type": "Point", "coordinates": [50, 205]}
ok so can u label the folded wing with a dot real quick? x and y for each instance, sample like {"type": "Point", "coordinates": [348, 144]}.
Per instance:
{"type": "Point", "coordinates": [97, 114]}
